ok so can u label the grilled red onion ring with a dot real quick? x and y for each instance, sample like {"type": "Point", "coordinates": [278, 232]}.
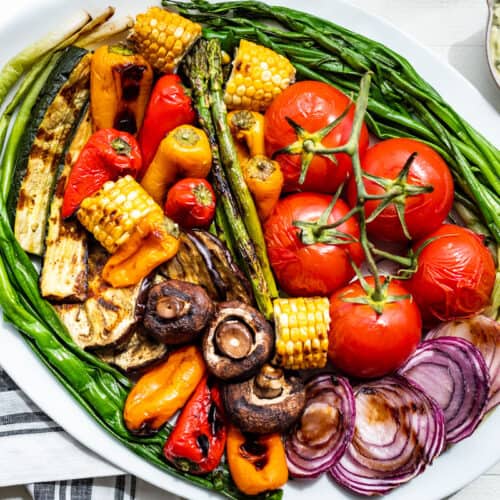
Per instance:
{"type": "Point", "coordinates": [398, 431]}
{"type": "Point", "coordinates": [453, 372]}
{"type": "Point", "coordinates": [321, 436]}
{"type": "Point", "coordinates": [484, 333]}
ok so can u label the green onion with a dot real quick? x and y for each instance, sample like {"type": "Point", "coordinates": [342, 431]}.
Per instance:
{"type": "Point", "coordinates": [15, 67]}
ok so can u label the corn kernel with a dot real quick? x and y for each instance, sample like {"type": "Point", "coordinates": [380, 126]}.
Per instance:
{"type": "Point", "coordinates": [164, 37]}
{"type": "Point", "coordinates": [261, 72]}
{"type": "Point", "coordinates": [112, 213]}
{"type": "Point", "coordinates": [301, 332]}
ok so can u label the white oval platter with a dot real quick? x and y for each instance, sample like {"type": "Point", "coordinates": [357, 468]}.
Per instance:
{"type": "Point", "coordinates": [451, 471]}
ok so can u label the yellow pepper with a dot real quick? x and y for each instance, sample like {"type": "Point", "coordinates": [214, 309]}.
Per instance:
{"type": "Point", "coordinates": [248, 127]}
{"type": "Point", "coordinates": [257, 463]}
{"type": "Point", "coordinates": [265, 181]}
{"type": "Point", "coordinates": [120, 84]}
{"type": "Point", "coordinates": [164, 390]}
{"type": "Point", "coordinates": [153, 242]}
{"type": "Point", "coordinates": [262, 175]}
{"type": "Point", "coordinates": [184, 152]}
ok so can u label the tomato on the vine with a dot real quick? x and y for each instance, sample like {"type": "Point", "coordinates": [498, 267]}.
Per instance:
{"type": "Point", "coordinates": [424, 212]}
{"type": "Point", "coordinates": [365, 344]}
{"type": "Point", "coordinates": [313, 106]}
{"type": "Point", "coordinates": [455, 274]}
{"type": "Point", "coordinates": [191, 203]}
{"type": "Point", "coordinates": [311, 268]}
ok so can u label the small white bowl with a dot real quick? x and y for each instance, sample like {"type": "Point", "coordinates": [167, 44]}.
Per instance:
{"type": "Point", "coordinates": [489, 50]}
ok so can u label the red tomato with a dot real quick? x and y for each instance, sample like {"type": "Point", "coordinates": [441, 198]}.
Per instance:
{"type": "Point", "coordinates": [191, 203]}
{"type": "Point", "coordinates": [423, 213]}
{"type": "Point", "coordinates": [313, 105]}
{"type": "Point", "coordinates": [455, 275]}
{"type": "Point", "coordinates": [365, 344]}
{"type": "Point", "coordinates": [316, 268]}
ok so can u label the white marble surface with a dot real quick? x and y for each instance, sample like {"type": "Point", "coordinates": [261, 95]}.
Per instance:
{"type": "Point", "coordinates": [455, 30]}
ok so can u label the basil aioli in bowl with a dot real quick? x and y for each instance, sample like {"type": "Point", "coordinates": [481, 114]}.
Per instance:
{"type": "Point", "coordinates": [493, 39]}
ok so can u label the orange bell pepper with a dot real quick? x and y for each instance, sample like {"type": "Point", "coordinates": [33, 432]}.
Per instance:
{"type": "Point", "coordinates": [257, 463]}
{"type": "Point", "coordinates": [120, 84]}
{"type": "Point", "coordinates": [153, 242]}
{"type": "Point", "coordinates": [164, 390]}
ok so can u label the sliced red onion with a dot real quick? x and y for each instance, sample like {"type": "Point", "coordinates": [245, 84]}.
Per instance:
{"type": "Point", "coordinates": [484, 333]}
{"type": "Point", "coordinates": [453, 372]}
{"type": "Point", "coordinates": [398, 431]}
{"type": "Point", "coordinates": [325, 429]}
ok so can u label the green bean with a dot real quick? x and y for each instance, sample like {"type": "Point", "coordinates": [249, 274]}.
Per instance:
{"type": "Point", "coordinates": [26, 277]}
{"type": "Point", "coordinates": [475, 162]}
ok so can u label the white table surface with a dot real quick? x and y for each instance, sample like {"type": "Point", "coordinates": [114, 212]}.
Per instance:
{"type": "Point", "coordinates": [455, 30]}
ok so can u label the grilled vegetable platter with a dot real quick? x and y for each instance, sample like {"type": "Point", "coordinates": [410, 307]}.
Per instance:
{"type": "Point", "coordinates": [255, 246]}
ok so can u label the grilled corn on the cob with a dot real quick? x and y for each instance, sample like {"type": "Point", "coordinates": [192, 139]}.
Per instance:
{"type": "Point", "coordinates": [259, 74]}
{"type": "Point", "coordinates": [112, 214]}
{"type": "Point", "coordinates": [163, 37]}
{"type": "Point", "coordinates": [301, 332]}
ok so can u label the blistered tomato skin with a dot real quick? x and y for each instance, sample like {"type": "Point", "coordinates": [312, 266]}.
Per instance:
{"type": "Point", "coordinates": [316, 269]}
{"type": "Point", "coordinates": [455, 275]}
{"type": "Point", "coordinates": [364, 344]}
{"type": "Point", "coordinates": [191, 203]}
{"type": "Point", "coordinates": [313, 105]}
{"type": "Point", "coordinates": [424, 212]}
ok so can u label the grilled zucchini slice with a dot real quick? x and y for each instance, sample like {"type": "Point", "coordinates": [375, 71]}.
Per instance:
{"type": "Point", "coordinates": [53, 118]}
{"type": "Point", "coordinates": [64, 271]}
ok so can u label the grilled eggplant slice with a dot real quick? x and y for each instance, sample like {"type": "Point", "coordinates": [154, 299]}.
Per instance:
{"type": "Point", "coordinates": [60, 107]}
{"type": "Point", "coordinates": [188, 265]}
{"type": "Point", "coordinates": [112, 312]}
{"type": "Point", "coordinates": [64, 272]}
{"type": "Point", "coordinates": [108, 318]}
{"type": "Point", "coordinates": [140, 352]}
{"type": "Point", "coordinates": [229, 280]}
{"type": "Point", "coordinates": [76, 321]}
{"type": "Point", "coordinates": [204, 260]}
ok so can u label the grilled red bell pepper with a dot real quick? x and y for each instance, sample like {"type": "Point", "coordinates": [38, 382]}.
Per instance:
{"type": "Point", "coordinates": [197, 442]}
{"type": "Point", "coordinates": [169, 106]}
{"type": "Point", "coordinates": [108, 154]}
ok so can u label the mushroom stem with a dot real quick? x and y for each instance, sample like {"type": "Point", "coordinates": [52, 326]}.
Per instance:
{"type": "Point", "coordinates": [234, 339]}
{"type": "Point", "coordinates": [171, 307]}
{"type": "Point", "coordinates": [269, 382]}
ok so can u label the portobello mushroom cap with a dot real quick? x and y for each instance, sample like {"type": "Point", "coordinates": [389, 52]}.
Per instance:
{"type": "Point", "coordinates": [238, 342]}
{"type": "Point", "coordinates": [266, 403]}
{"type": "Point", "coordinates": [177, 312]}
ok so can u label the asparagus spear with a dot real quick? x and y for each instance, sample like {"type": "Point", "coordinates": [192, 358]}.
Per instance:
{"type": "Point", "coordinates": [196, 68]}
{"type": "Point", "coordinates": [232, 166]}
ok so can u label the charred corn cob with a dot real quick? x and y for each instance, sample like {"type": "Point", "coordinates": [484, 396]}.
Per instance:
{"type": "Point", "coordinates": [301, 326]}
{"type": "Point", "coordinates": [112, 214]}
{"type": "Point", "coordinates": [259, 74]}
{"type": "Point", "coordinates": [163, 37]}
